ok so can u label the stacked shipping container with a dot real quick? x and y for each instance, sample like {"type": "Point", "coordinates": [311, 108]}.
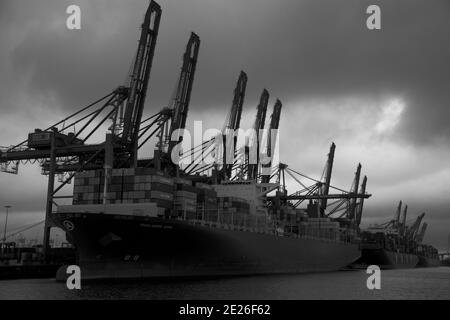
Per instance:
{"type": "Point", "coordinates": [233, 210]}
{"type": "Point", "coordinates": [185, 203]}
{"type": "Point", "coordinates": [207, 201]}
{"type": "Point", "coordinates": [140, 185]}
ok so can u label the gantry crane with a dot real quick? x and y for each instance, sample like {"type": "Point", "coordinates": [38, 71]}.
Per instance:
{"type": "Point", "coordinates": [344, 205]}
{"type": "Point", "coordinates": [403, 222]}
{"type": "Point", "coordinates": [328, 173]}
{"type": "Point", "coordinates": [396, 222]}
{"type": "Point", "coordinates": [227, 153]}
{"type": "Point", "coordinates": [183, 94]}
{"type": "Point", "coordinates": [413, 229]}
{"type": "Point", "coordinates": [60, 152]}
{"type": "Point", "coordinates": [353, 201]}
{"type": "Point", "coordinates": [251, 166]}
{"type": "Point", "coordinates": [419, 237]}
{"type": "Point", "coordinates": [171, 120]}
{"type": "Point", "coordinates": [139, 80]}
{"type": "Point", "coordinates": [361, 202]}
{"type": "Point", "coordinates": [232, 125]}
{"type": "Point", "coordinates": [271, 141]}
{"type": "Point", "coordinates": [258, 126]}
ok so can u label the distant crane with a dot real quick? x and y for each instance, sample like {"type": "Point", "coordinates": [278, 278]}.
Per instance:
{"type": "Point", "coordinates": [403, 223]}
{"type": "Point", "coordinates": [413, 229]}
{"type": "Point", "coordinates": [343, 204]}
{"type": "Point", "coordinates": [421, 234]}
{"type": "Point", "coordinates": [328, 173]}
{"type": "Point", "coordinates": [396, 222]}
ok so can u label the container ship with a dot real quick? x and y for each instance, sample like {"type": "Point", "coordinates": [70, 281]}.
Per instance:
{"type": "Point", "coordinates": [386, 251]}
{"type": "Point", "coordinates": [395, 245]}
{"type": "Point", "coordinates": [158, 226]}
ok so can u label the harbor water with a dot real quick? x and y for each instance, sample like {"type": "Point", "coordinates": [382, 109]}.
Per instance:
{"type": "Point", "coordinates": [422, 283]}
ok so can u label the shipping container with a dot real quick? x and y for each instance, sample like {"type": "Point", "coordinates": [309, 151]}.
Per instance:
{"type": "Point", "coordinates": [183, 181]}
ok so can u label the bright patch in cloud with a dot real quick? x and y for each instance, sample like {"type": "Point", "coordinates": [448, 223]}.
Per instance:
{"type": "Point", "coordinates": [390, 116]}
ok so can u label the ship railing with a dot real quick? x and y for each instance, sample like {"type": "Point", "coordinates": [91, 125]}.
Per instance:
{"type": "Point", "coordinates": [257, 224]}
{"type": "Point", "coordinates": [229, 221]}
{"type": "Point", "coordinates": [324, 235]}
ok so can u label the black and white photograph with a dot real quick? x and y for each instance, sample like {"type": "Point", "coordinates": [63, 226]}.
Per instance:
{"type": "Point", "coordinates": [212, 150]}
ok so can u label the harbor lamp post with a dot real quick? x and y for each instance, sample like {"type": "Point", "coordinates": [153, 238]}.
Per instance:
{"type": "Point", "coordinates": [6, 224]}
{"type": "Point", "coordinates": [4, 232]}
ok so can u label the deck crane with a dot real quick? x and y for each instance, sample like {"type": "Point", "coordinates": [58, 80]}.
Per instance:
{"type": "Point", "coordinates": [61, 152]}
{"type": "Point", "coordinates": [274, 126]}
{"type": "Point", "coordinates": [261, 112]}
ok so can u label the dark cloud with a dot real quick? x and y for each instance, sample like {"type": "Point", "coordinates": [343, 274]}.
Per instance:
{"type": "Point", "coordinates": [297, 49]}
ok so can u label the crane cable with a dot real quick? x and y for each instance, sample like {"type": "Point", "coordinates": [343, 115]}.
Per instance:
{"type": "Point", "coordinates": [24, 229]}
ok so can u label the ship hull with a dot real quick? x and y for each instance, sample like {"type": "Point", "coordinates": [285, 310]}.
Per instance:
{"type": "Point", "coordinates": [115, 246]}
{"type": "Point", "coordinates": [425, 262]}
{"type": "Point", "coordinates": [386, 259]}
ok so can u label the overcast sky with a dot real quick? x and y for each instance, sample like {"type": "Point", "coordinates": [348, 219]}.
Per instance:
{"type": "Point", "coordinates": [382, 96]}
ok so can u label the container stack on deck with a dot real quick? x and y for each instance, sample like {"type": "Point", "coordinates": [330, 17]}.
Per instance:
{"type": "Point", "coordinates": [185, 199]}
{"type": "Point", "coordinates": [140, 185]}
{"type": "Point", "coordinates": [206, 200]}
{"type": "Point", "coordinates": [233, 210]}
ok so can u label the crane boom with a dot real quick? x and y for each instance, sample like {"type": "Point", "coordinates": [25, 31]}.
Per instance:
{"type": "Point", "coordinates": [421, 234]}
{"type": "Point", "coordinates": [329, 170]}
{"type": "Point", "coordinates": [274, 125]}
{"type": "Point", "coordinates": [234, 122]}
{"type": "Point", "coordinates": [261, 110]}
{"type": "Point", "coordinates": [184, 88]}
{"type": "Point", "coordinates": [140, 78]}
{"type": "Point", "coordinates": [259, 125]}
{"type": "Point", "coordinates": [403, 223]}
{"type": "Point", "coordinates": [361, 202]}
{"type": "Point", "coordinates": [397, 215]}
{"type": "Point", "coordinates": [412, 230]}
{"type": "Point", "coordinates": [353, 205]}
